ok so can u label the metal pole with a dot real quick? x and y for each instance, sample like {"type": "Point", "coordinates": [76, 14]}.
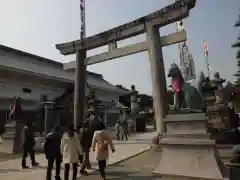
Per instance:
{"type": "Point", "coordinates": [208, 66]}
{"type": "Point", "coordinates": [45, 122]}
{"type": "Point", "coordinates": [179, 44]}
{"type": "Point", "coordinates": [205, 44]}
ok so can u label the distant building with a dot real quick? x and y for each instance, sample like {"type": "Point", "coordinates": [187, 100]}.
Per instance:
{"type": "Point", "coordinates": [33, 77]}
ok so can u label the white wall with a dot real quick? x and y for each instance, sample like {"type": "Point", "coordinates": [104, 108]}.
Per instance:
{"type": "Point", "coordinates": [11, 89]}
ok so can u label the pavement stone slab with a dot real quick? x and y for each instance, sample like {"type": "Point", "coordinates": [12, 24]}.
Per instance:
{"type": "Point", "coordinates": [10, 170]}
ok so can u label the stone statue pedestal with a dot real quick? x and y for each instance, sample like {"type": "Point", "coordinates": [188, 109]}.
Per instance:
{"type": "Point", "coordinates": [188, 153]}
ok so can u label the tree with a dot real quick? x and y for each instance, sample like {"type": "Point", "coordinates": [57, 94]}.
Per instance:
{"type": "Point", "coordinates": [237, 45]}
{"type": "Point", "coordinates": [146, 101]}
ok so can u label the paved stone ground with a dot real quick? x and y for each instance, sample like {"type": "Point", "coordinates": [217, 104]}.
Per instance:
{"type": "Point", "coordinates": [11, 169]}
{"type": "Point", "coordinates": [137, 168]}
{"type": "Point", "coordinates": [8, 156]}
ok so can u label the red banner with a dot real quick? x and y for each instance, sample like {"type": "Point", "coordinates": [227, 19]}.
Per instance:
{"type": "Point", "coordinates": [205, 44]}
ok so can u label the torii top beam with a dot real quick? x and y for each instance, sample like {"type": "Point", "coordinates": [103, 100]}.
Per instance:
{"type": "Point", "coordinates": [162, 17]}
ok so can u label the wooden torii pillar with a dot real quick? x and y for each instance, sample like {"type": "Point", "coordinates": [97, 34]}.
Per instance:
{"type": "Point", "coordinates": [150, 25]}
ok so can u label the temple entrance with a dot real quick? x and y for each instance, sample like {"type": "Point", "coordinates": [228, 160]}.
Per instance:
{"type": "Point", "coordinates": [150, 25]}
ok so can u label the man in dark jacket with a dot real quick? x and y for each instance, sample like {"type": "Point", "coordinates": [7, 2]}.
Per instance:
{"type": "Point", "coordinates": [52, 151]}
{"type": "Point", "coordinates": [86, 136]}
{"type": "Point", "coordinates": [28, 143]}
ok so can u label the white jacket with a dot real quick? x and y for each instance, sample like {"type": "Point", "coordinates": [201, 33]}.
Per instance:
{"type": "Point", "coordinates": [70, 148]}
{"type": "Point", "coordinates": [100, 136]}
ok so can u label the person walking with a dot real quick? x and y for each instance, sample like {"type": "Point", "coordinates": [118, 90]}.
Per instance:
{"type": "Point", "coordinates": [53, 152]}
{"type": "Point", "coordinates": [70, 149]}
{"type": "Point", "coordinates": [80, 156]}
{"type": "Point", "coordinates": [125, 130]}
{"type": "Point", "coordinates": [118, 129]}
{"type": "Point", "coordinates": [86, 135]}
{"type": "Point", "coordinates": [102, 140]}
{"type": "Point", "coordinates": [28, 143]}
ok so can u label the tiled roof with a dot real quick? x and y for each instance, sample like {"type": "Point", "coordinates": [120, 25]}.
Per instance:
{"type": "Point", "coordinates": [35, 66]}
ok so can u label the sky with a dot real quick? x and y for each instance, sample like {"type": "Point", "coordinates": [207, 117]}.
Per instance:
{"type": "Point", "coordinates": [35, 26]}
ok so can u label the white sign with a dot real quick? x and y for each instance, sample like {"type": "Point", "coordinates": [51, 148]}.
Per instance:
{"type": "Point", "coordinates": [185, 55]}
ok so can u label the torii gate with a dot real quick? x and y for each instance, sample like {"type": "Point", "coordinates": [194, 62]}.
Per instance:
{"type": "Point", "coordinates": [150, 25]}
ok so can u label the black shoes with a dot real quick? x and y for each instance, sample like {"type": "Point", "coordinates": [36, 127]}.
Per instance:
{"type": "Point", "coordinates": [25, 167]}
{"type": "Point", "coordinates": [35, 164]}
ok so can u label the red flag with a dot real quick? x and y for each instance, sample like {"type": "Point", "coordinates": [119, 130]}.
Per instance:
{"type": "Point", "coordinates": [205, 44]}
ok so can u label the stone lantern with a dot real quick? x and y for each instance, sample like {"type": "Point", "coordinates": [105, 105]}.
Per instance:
{"type": "Point", "coordinates": [49, 117]}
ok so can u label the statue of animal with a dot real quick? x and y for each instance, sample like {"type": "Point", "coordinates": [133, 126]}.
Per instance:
{"type": "Point", "coordinates": [225, 94]}
{"type": "Point", "coordinates": [185, 95]}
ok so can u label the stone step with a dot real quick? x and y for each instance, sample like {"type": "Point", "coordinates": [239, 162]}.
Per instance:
{"type": "Point", "coordinates": [185, 117]}
{"type": "Point", "coordinates": [188, 164]}
{"type": "Point", "coordinates": [179, 177]}
{"type": "Point", "coordinates": [193, 127]}
{"type": "Point", "coordinates": [186, 123]}
{"type": "Point", "coordinates": [8, 135]}
{"type": "Point", "coordinates": [187, 136]}
{"type": "Point", "coordinates": [10, 126]}
{"type": "Point", "coordinates": [9, 131]}
{"type": "Point", "coordinates": [188, 142]}
{"type": "Point", "coordinates": [225, 153]}
{"type": "Point", "coordinates": [224, 146]}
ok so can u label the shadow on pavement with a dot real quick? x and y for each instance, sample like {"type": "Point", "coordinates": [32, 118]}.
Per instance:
{"type": "Point", "coordinates": [9, 170]}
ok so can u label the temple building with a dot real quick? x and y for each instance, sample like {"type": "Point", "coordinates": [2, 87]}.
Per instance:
{"type": "Point", "coordinates": [33, 78]}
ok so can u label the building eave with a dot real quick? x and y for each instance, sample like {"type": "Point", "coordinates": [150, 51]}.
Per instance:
{"type": "Point", "coordinates": [64, 80]}
{"type": "Point", "coordinates": [20, 65]}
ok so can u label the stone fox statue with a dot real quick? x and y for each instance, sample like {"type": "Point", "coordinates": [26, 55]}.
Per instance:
{"type": "Point", "coordinates": [185, 95]}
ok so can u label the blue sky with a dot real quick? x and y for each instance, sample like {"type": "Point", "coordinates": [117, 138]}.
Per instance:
{"type": "Point", "coordinates": [36, 26]}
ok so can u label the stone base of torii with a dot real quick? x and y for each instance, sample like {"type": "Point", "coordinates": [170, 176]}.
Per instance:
{"type": "Point", "coordinates": [188, 152]}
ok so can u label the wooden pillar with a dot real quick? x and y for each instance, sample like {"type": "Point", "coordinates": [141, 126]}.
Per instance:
{"type": "Point", "coordinates": [158, 76]}
{"type": "Point", "coordinates": [79, 88]}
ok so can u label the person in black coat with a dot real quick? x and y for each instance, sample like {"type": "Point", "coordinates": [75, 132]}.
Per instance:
{"type": "Point", "coordinates": [86, 136]}
{"type": "Point", "coordinates": [52, 151]}
{"type": "Point", "coordinates": [28, 143]}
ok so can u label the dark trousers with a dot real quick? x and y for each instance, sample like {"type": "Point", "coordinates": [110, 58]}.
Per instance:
{"type": "Point", "coordinates": [118, 134]}
{"type": "Point", "coordinates": [67, 169]}
{"type": "Point", "coordinates": [124, 135]}
{"type": "Point", "coordinates": [102, 166]}
{"type": "Point", "coordinates": [31, 153]}
{"type": "Point", "coordinates": [86, 162]}
{"type": "Point", "coordinates": [50, 167]}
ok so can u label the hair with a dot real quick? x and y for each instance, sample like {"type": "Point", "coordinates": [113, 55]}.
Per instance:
{"type": "Point", "coordinates": [56, 127]}
{"type": "Point", "coordinates": [71, 130]}
{"type": "Point", "coordinates": [121, 112]}
{"type": "Point", "coordinates": [86, 124]}
{"type": "Point", "coordinates": [29, 123]}
{"type": "Point", "coordinates": [101, 126]}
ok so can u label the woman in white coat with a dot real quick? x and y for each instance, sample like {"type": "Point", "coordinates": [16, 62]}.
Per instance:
{"type": "Point", "coordinates": [103, 141]}
{"type": "Point", "coordinates": [70, 149]}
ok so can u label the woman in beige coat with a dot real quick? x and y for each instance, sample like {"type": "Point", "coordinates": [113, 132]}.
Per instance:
{"type": "Point", "coordinates": [102, 140]}
{"type": "Point", "coordinates": [70, 149]}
